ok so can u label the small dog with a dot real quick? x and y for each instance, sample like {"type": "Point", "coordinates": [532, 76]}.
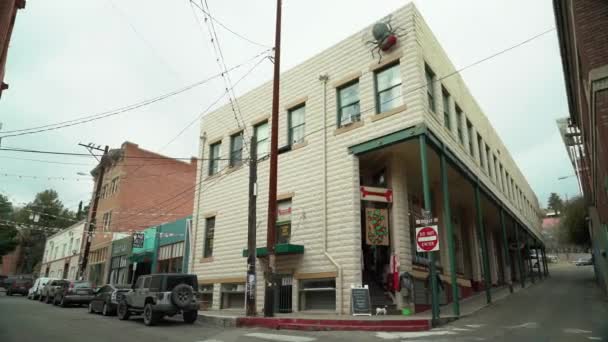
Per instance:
{"type": "Point", "coordinates": [381, 311]}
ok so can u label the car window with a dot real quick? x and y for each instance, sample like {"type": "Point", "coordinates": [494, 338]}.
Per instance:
{"type": "Point", "coordinates": [139, 283]}
{"type": "Point", "coordinates": [147, 282]}
{"type": "Point", "coordinates": [173, 281]}
{"type": "Point", "coordinates": [82, 284]}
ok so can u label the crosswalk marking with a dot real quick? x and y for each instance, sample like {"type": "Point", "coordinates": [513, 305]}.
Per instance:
{"type": "Point", "coordinates": [577, 331]}
{"type": "Point", "coordinates": [406, 335]}
{"type": "Point", "coordinates": [281, 338]}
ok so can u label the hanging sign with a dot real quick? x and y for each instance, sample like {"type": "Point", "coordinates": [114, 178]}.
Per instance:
{"type": "Point", "coordinates": [383, 195]}
{"type": "Point", "coordinates": [376, 227]}
{"type": "Point", "coordinates": [427, 239]}
{"type": "Point", "coordinates": [138, 240]}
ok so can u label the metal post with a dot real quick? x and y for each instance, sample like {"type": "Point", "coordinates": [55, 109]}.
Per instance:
{"type": "Point", "coordinates": [92, 217]}
{"type": "Point", "coordinates": [505, 248]}
{"type": "Point", "coordinates": [272, 182]}
{"type": "Point", "coordinates": [447, 219]}
{"type": "Point", "coordinates": [531, 267]}
{"type": "Point", "coordinates": [427, 206]}
{"type": "Point", "coordinates": [538, 261]}
{"type": "Point", "coordinates": [545, 262]}
{"type": "Point", "coordinates": [251, 229]}
{"type": "Point", "coordinates": [520, 264]}
{"type": "Point", "coordinates": [484, 246]}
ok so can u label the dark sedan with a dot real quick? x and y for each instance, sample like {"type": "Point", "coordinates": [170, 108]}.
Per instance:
{"type": "Point", "coordinates": [73, 292]}
{"type": "Point", "coordinates": [106, 299]}
{"type": "Point", "coordinates": [18, 286]}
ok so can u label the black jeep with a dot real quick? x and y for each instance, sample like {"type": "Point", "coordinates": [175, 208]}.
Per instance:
{"type": "Point", "coordinates": [157, 295]}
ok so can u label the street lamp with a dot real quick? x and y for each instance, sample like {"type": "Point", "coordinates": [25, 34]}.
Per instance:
{"type": "Point", "coordinates": [564, 177]}
{"type": "Point", "coordinates": [80, 173]}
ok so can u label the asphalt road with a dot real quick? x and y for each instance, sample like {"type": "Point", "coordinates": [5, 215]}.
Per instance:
{"type": "Point", "coordinates": [566, 307]}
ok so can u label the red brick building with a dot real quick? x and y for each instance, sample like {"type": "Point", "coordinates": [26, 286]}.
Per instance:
{"type": "Point", "coordinates": [582, 27]}
{"type": "Point", "coordinates": [139, 189]}
{"type": "Point", "coordinates": [8, 13]}
{"type": "Point", "coordinates": [10, 262]}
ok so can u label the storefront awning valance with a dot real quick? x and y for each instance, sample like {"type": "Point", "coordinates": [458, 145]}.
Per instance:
{"type": "Point", "coordinates": [279, 249]}
{"type": "Point", "coordinates": [142, 257]}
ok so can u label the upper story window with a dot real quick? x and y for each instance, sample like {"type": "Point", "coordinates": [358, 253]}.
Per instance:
{"type": "Point", "coordinates": [488, 160]}
{"type": "Point", "coordinates": [209, 235]}
{"type": "Point", "coordinates": [236, 149]}
{"type": "Point", "coordinates": [430, 90]}
{"type": "Point", "coordinates": [107, 220]}
{"type": "Point", "coordinates": [470, 135]}
{"type": "Point", "coordinates": [501, 180]}
{"type": "Point", "coordinates": [114, 185]}
{"type": "Point", "coordinates": [388, 89]}
{"type": "Point", "coordinates": [214, 158]}
{"type": "Point", "coordinates": [446, 108]}
{"type": "Point", "coordinates": [283, 231]}
{"type": "Point", "coordinates": [297, 125]}
{"type": "Point", "coordinates": [349, 110]}
{"type": "Point", "coordinates": [459, 124]}
{"type": "Point", "coordinates": [261, 137]}
{"type": "Point", "coordinates": [480, 148]}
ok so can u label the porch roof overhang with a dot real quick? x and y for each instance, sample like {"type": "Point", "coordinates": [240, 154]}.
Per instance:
{"type": "Point", "coordinates": [415, 131]}
{"type": "Point", "coordinates": [279, 249]}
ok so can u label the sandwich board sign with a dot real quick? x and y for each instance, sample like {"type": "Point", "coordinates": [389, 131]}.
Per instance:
{"type": "Point", "coordinates": [360, 302]}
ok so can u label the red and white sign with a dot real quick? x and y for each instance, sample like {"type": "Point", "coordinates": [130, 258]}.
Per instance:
{"type": "Point", "coordinates": [427, 239]}
{"type": "Point", "coordinates": [369, 193]}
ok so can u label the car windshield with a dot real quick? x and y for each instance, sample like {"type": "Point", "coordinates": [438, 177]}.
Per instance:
{"type": "Point", "coordinates": [173, 281]}
{"type": "Point", "coordinates": [80, 285]}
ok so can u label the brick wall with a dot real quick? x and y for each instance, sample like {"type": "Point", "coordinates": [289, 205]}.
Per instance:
{"type": "Point", "coordinates": [590, 23]}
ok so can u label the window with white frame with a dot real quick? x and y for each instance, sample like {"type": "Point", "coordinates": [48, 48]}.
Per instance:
{"type": "Point", "coordinates": [388, 88]}
{"type": "Point", "coordinates": [349, 110]}
{"type": "Point", "coordinates": [261, 138]}
{"type": "Point", "coordinates": [107, 220]}
{"type": "Point", "coordinates": [209, 235]}
{"type": "Point", "coordinates": [297, 125]}
{"type": "Point", "coordinates": [459, 124]}
{"type": "Point", "coordinates": [446, 108]}
{"type": "Point", "coordinates": [214, 158]}
{"type": "Point", "coordinates": [236, 149]}
{"type": "Point", "coordinates": [430, 90]}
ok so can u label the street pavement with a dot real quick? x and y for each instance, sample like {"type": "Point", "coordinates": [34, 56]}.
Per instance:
{"type": "Point", "coordinates": [566, 307]}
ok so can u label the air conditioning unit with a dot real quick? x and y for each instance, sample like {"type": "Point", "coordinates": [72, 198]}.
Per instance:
{"type": "Point", "coordinates": [347, 121]}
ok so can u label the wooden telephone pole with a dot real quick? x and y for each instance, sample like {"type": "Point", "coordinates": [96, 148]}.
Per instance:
{"type": "Point", "coordinates": [251, 229]}
{"type": "Point", "coordinates": [272, 186]}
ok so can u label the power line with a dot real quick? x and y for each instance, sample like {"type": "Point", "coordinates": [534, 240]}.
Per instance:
{"type": "Point", "coordinates": [98, 116]}
{"type": "Point", "coordinates": [76, 154]}
{"type": "Point", "coordinates": [226, 27]}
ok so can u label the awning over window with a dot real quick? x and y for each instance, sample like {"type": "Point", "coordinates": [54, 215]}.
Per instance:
{"type": "Point", "coordinates": [141, 257]}
{"type": "Point", "coordinates": [280, 249]}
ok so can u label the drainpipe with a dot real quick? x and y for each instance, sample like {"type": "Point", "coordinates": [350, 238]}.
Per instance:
{"type": "Point", "coordinates": [339, 288]}
{"type": "Point", "coordinates": [195, 218]}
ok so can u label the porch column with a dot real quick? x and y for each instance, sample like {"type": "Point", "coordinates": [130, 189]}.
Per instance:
{"type": "Point", "coordinates": [426, 189]}
{"type": "Point", "coordinates": [505, 249]}
{"type": "Point", "coordinates": [520, 264]}
{"type": "Point", "coordinates": [484, 246]}
{"type": "Point", "coordinates": [545, 261]}
{"type": "Point", "coordinates": [540, 263]}
{"type": "Point", "coordinates": [447, 219]}
{"type": "Point", "coordinates": [531, 267]}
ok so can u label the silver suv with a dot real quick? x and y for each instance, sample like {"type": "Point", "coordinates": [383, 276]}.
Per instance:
{"type": "Point", "coordinates": [157, 295]}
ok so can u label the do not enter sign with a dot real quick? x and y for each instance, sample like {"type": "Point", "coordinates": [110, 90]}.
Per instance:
{"type": "Point", "coordinates": [427, 239]}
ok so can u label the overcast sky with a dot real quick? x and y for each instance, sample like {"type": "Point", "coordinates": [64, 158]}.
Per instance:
{"type": "Point", "coordinates": [75, 58]}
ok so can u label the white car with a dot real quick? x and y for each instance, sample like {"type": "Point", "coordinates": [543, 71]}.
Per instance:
{"type": "Point", "coordinates": [34, 292]}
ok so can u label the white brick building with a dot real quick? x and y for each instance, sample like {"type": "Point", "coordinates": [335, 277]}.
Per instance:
{"type": "Point", "coordinates": [333, 153]}
{"type": "Point", "coordinates": [62, 253]}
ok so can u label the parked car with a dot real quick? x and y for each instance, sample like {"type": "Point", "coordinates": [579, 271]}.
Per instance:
{"type": "Point", "coordinates": [552, 258]}
{"type": "Point", "coordinates": [73, 292]}
{"type": "Point", "coordinates": [48, 290]}
{"type": "Point", "coordinates": [35, 290]}
{"type": "Point", "coordinates": [157, 295]}
{"type": "Point", "coordinates": [3, 281]}
{"type": "Point", "coordinates": [106, 299]}
{"type": "Point", "coordinates": [18, 286]}
{"type": "Point", "coordinates": [583, 261]}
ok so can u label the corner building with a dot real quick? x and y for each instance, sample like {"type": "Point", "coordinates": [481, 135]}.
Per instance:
{"type": "Point", "coordinates": [358, 138]}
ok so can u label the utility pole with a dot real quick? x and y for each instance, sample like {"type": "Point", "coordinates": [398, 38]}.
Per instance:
{"type": "Point", "coordinates": [272, 186]}
{"type": "Point", "coordinates": [91, 222]}
{"type": "Point", "coordinates": [251, 229]}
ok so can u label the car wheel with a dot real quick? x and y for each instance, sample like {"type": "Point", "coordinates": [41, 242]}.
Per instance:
{"type": "Point", "coordinates": [190, 316]}
{"type": "Point", "coordinates": [123, 311]}
{"type": "Point", "coordinates": [150, 317]}
{"type": "Point", "coordinates": [90, 308]}
{"type": "Point", "coordinates": [105, 310]}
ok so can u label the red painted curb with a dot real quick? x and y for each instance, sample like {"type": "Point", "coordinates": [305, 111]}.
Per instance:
{"type": "Point", "coordinates": [333, 324]}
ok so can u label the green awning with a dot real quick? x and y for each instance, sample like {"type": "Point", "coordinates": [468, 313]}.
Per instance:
{"type": "Point", "coordinates": [141, 257]}
{"type": "Point", "coordinates": [279, 249]}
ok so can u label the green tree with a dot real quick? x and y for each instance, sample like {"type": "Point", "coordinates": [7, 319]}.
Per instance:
{"type": "Point", "coordinates": [555, 203]}
{"type": "Point", "coordinates": [8, 232]}
{"type": "Point", "coordinates": [38, 220]}
{"type": "Point", "coordinates": [573, 226]}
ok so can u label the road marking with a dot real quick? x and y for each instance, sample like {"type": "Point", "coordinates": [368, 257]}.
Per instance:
{"type": "Point", "coordinates": [594, 338]}
{"type": "Point", "coordinates": [406, 335]}
{"type": "Point", "coordinates": [460, 329]}
{"type": "Point", "coordinates": [282, 338]}
{"type": "Point", "coordinates": [212, 340]}
{"type": "Point", "coordinates": [577, 331]}
{"type": "Point", "coordinates": [529, 325]}
{"type": "Point", "coordinates": [474, 326]}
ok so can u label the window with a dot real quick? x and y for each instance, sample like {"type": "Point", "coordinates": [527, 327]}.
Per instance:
{"type": "Point", "coordinates": [155, 283]}
{"type": "Point", "coordinates": [261, 138]}
{"type": "Point", "coordinates": [297, 125]}
{"type": "Point", "coordinates": [388, 89]}
{"type": "Point", "coordinates": [495, 166]}
{"type": "Point", "coordinates": [77, 245]}
{"type": "Point", "coordinates": [139, 283]}
{"type": "Point", "coordinates": [63, 250]}
{"type": "Point", "coordinates": [107, 220]}
{"type": "Point", "coordinates": [480, 148]}
{"type": "Point", "coordinates": [214, 158]}
{"type": "Point", "coordinates": [283, 230]}
{"type": "Point", "coordinates": [446, 108]}
{"type": "Point", "coordinates": [501, 181]}
{"type": "Point", "coordinates": [459, 124]}
{"type": "Point", "coordinates": [488, 161]}
{"type": "Point", "coordinates": [470, 135]}
{"type": "Point", "coordinates": [430, 90]}
{"type": "Point", "coordinates": [209, 232]}
{"type": "Point", "coordinates": [103, 191]}
{"type": "Point", "coordinates": [348, 104]}
{"type": "Point", "coordinates": [114, 186]}
{"type": "Point", "coordinates": [236, 149]}
{"type": "Point", "coordinates": [147, 282]}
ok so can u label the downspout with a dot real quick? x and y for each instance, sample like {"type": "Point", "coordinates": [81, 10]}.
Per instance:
{"type": "Point", "coordinates": [323, 78]}
{"type": "Point", "coordinates": [195, 218]}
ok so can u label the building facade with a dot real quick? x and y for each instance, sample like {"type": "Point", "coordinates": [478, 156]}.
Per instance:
{"type": "Point", "coordinates": [139, 189]}
{"type": "Point", "coordinates": [8, 13]}
{"type": "Point", "coordinates": [583, 39]}
{"type": "Point", "coordinates": [369, 142]}
{"type": "Point", "coordinates": [62, 253]}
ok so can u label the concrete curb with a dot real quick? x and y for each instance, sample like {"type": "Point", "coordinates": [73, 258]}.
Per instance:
{"type": "Point", "coordinates": [218, 321]}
